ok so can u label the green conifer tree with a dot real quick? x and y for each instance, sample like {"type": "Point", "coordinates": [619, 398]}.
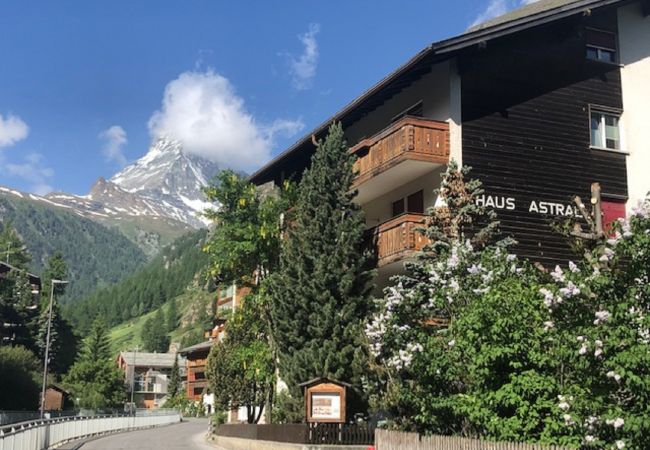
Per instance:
{"type": "Point", "coordinates": [175, 386]}
{"type": "Point", "coordinates": [95, 380]}
{"type": "Point", "coordinates": [172, 316]}
{"type": "Point", "coordinates": [12, 248]}
{"type": "Point", "coordinates": [321, 295]}
{"type": "Point", "coordinates": [154, 333]}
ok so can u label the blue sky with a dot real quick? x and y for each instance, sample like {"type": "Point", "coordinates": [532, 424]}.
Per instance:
{"type": "Point", "coordinates": [85, 85]}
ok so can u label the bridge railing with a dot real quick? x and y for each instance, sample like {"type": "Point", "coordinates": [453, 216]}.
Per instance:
{"type": "Point", "coordinates": [46, 433]}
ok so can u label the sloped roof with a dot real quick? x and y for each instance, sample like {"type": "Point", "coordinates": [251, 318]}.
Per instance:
{"type": "Point", "coordinates": [529, 16]}
{"type": "Point", "coordinates": [149, 359]}
{"type": "Point", "coordinates": [525, 11]}
{"type": "Point", "coordinates": [196, 347]}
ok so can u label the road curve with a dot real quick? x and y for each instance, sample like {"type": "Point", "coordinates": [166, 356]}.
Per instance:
{"type": "Point", "coordinates": [183, 436]}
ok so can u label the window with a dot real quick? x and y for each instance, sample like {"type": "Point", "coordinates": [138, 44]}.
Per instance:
{"type": "Point", "coordinates": [398, 207]}
{"type": "Point", "coordinates": [605, 131]}
{"type": "Point", "coordinates": [199, 375]}
{"type": "Point", "coordinates": [601, 45]}
{"type": "Point", "coordinates": [415, 202]}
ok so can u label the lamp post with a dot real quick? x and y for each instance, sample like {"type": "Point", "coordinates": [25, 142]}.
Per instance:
{"type": "Point", "coordinates": [47, 343]}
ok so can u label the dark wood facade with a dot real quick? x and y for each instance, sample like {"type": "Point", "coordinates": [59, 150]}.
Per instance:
{"type": "Point", "coordinates": [525, 114]}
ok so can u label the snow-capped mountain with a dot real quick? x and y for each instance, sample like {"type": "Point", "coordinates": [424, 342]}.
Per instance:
{"type": "Point", "coordinates": [170, 180]}
{"type": "Point", "coordinates": [164, 183]}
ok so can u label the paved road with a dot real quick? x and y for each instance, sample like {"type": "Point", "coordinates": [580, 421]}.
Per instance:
{"type": "Point", "coordinates": [183, 436]}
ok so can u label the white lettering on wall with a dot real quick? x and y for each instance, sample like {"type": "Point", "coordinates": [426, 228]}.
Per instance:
{"type": "Point", "coordinates": [496, 202]}
{"type": "Point", "coordinates": [536, 206]}
{"type": "Point", "coordinates": [554, 209]}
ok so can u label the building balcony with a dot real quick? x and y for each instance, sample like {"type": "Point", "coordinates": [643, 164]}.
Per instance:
{"type": "Point", "coordinates": [406, 150]}
{"type": "Point", "coordinates": [397, 238]}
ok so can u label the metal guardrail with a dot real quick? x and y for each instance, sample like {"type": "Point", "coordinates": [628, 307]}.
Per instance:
{"type": "Point", "coordinates": [46, 433]}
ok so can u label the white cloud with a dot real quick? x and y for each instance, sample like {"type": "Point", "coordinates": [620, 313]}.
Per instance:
{"type": "Point", "coordinates": [204, 113]}
{"type": "Point", "coordinates": [496, 8]}
{"type": "Point", "coordinates": [12, 130]}
{"type": "Point", "coordinates": [33, 171]}
{"type": "Point", "coordinates": [115, 140]}
{"type": "Point", "coordinates": [303, 68]}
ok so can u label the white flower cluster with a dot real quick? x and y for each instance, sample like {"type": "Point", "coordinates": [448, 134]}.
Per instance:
{"type": "Point", "coordinates": [568, 289]}
{"type": "Point", "coordinates": [584, 346]}
{"type": "Point", "coordinates": [614, 375]}
{"type": "Point", "coordinates": [404, 357]}
{"type": "Point", "coordinates": [564, 405]}
{"type": "Point", "coordinates": [377, 327]}
{"type": "Point", "coordinates": [616, 423]}
{"type": "Point", "coordinates": [637, 316]}
{"type": "Point", "coordinates": [602, 316]}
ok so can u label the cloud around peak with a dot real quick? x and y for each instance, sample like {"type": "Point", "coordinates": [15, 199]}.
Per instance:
{"type": "Point", "coordinates": [202, 110]}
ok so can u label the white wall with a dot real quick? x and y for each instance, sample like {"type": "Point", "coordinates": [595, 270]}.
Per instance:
{"type": "Point", "coordinates": [634, 42]}
{"type": "Point", "coordinates": [432, 89]}
{"type": "Point", "coordinates": [380, 209]}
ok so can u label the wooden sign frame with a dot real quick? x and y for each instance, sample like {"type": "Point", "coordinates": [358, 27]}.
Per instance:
{"type": "Point", "coordinates": [322, 390]}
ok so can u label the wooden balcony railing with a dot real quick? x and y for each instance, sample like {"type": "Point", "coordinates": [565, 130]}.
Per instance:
{"type": "Point", "coordinates": [410, 138]}
{"type": "Point", "coordinates": [397, 238]}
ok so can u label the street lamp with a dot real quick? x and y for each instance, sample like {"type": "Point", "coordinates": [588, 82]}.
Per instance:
{"type": "Point", "coordinates": [47, 344]}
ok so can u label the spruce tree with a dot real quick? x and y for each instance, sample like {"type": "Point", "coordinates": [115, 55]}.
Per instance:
{"type": "Point", "coordinates": [12, 248]}
{"type": "Point", "coordinates": [61, 334]}
{"type": "Point", "coordinates": [172, 316]}
{"type": "Point", "coordinates": [321, 295]}
{"type": "Point", "coordinates": [154, 333]}
{"type": "Point", "coordinates": [95, 380]}
{"type": "Point", "coordinates": [175, 386]}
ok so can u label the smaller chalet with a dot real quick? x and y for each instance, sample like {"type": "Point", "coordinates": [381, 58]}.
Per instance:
{"type": "Point", "coordinates": [148, 376]}
{"type": "Point", "coordinates": [196, 357]}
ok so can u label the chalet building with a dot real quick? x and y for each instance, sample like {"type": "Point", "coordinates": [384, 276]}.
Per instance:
{"type": "Point", "coordinates": [10, 330]}
{"type": "Point", "coordinates": [148, 376]}
{"type": "Point", "coordinates": [541, 102]}
{"type": "Point", "coordinates": [228, 300]}
{"type": "Point", "coordinates": [196, 357]}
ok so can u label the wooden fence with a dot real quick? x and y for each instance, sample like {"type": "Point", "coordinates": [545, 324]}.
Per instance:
{"type": "Point", "coordinates": [397, 440]}
{"type": "Point", "coordinates": [301, 433]}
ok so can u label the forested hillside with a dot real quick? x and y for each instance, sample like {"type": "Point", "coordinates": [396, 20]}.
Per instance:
{"type": "Point", "coordinates": [96, 256]}
{"type": "Point", "coordinates": [178, 266]}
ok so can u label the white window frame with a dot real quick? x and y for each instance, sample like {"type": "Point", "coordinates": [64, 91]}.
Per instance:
{"type": "Point", "coordinates": [600, 48]}
{"type": "Point", "coordinates": [607, 111]}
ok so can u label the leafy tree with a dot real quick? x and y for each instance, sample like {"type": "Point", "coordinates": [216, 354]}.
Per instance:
{"type": "Point", "coordinates": [240, 369]}
{"type": "Point", "coordinates": [474, 341]}
{"type": "Point", "coordinates": [21, 379]}
{"type": "Point", "coordinates": [244, 249]}
{"type": "Point", "coordinates": [321, 293]}
{"type": "Point", "coordinates": [95, 380]}
{"type": "Point", "coordinates": [245, 246]}
{"type": "Point", "coordinates": [175, 387]}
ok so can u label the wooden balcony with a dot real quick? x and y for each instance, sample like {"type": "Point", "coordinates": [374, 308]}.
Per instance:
{"type": "Point", "coordinates": [397, 238]}
{"type": "Point", "coordinates": [405, 150]}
